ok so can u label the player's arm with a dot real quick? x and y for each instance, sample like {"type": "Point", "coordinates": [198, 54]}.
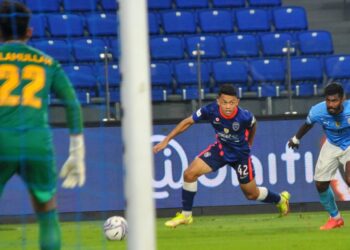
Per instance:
{"type": "Point", "coordinates": [251, 134]}
{"type": "Point", "coordinates": [181, 127]}
{"type": "Point", "coordinates": [73, 170]}
{"type": "Point", "coordinates": [295, 140]}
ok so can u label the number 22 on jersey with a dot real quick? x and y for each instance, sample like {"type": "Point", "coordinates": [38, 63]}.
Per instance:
{"type": "Point", "coordinates": [12, 78]}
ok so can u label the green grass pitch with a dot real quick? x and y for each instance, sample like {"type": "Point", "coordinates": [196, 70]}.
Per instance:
{"type": "Point", "coordinates": [262, 231]}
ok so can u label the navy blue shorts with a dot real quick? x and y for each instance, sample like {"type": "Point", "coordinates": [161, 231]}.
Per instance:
{"type": "Point", "coordinates": [213, 156]}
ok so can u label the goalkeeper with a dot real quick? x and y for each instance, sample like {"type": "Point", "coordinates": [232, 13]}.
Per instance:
{"type": "Point", "coordinates": [27, 76]}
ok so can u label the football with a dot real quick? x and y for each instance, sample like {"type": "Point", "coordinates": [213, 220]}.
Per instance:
{"type": "Point", "coordinates": [115, 228]}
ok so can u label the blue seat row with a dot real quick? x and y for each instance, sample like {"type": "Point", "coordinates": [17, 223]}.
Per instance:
{"type": "Point", "coordinates": [83, 49]}
{"type": "Point", "coordinates": [63, 25]}
{"type": "Point", "coordinates": [286, 18]}
{"type": "Point", "coordinates": [175, 22]}
{"type": "Point", "coordinates": [70, 6]}
{"type": "Point", "coordinates": [78, 50]}
{"type": "Point", "coordinates": [241, 45]}
{"type": "Point", "coordinates": [266, 77]}
{"type": "Point", "coordinates": [112, 5]}
{"type": "Point", "coordinates": [192, 4]}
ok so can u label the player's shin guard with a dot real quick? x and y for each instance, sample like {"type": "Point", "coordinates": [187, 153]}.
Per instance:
{"type": "Point", "coordinates": [328, 202]}
{"type": "Point", "coordinates": [268, 196]}
{"type": "Point", "coordinates": [50, 233]}
{"type": "Point", "coordinates": [189, 190]}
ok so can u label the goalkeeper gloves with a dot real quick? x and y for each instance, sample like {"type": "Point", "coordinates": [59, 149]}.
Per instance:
{"type": "Point", "coordinates": [73, 170]}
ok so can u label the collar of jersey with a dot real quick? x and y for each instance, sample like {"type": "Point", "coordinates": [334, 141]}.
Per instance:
{"type": "Point", "coordinates": [230, 116]}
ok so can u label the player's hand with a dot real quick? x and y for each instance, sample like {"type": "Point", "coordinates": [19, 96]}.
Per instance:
{"type": "Point", "coordinates": [160, 146]}
{"type": "Point", "coordinates": [293, 143]}
{"type": "Point", "coordinates": [73, 170]}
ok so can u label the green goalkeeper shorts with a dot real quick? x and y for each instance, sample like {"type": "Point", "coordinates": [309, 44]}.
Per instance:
{"type": "Point", "coordinates": [29, 155]}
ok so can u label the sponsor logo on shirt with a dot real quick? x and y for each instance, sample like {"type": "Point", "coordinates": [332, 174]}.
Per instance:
{"type": "Point", "coordinates": [235, 126]}
{"type": "Point", "coordinates": [207, 154]}
{"type": "Point", "coordinates": [216, 121]}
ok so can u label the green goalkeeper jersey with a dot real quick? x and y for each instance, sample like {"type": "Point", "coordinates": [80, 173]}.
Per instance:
{"type": "Point", "coordinates": [27, 77]}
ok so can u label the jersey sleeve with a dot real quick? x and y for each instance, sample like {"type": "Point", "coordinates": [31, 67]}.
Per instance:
{"type": "Point", "coordinates": [252, 121]}
{"type": "Point", "coordinates": [63, 88]}
{"type": "Point", "coordinates": [311, 117]}
{"type": "Point", "coordinates": [201, 114]}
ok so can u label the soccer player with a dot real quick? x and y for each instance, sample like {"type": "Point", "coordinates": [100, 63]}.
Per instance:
{"type": "Point", "coordinates": [232, 148]}
{"type": "Point", "coordinates": [333, 115]}
{"type": "Point", "coordinates": [27, 76]}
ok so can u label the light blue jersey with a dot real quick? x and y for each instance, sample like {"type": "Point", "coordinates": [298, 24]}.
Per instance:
{"type": "Point", "coordinates": [336, 127]}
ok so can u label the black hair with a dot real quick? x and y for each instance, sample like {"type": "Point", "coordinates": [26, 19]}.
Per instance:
{"type": "Point", "coordinates": [14, 20]}
{"type": "Point", "coordinates": [334, 88]}
{"type": "Point", "coordinates": [227, 89]}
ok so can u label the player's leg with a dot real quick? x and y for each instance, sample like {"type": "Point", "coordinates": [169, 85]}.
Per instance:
{"type": "Point", "coordinates": [326, 167]}
{"type": "Point", "coordinates": [40, 178]}
{"type": "Point", "coordinates": [245, 173]}
{"type": "Point", "coordinates": [347, 172]}
{"type": "Point", "coordinates": [7, 170]}
{"type": "Point", "coordinates": [197, 168]}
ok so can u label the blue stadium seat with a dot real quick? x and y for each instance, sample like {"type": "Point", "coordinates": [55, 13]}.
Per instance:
{"type": "Point", "coordinates": [306, 70]}
{"type": "Point", "coordinates": [159, 4]}
{"type": "Point", "coordinates": [186, 75]}
{"type": "Point", "coordinates": [290, 19]}
{"type": "Point", "coordinates": [102, 24]}
{"type": "Point", "coordinates": [43, 5]}
{"type": "Point", "coordinates": [80, 5]}
{"type": "Point", "coordinates": [192, 4]}
{"type": "Point", "coordinates": [153, 23]}
{"type": "Point", "coordinates": [228, 3]}
{"type": "Point", "coordinates": [109, 5]}
{"type": "Point", "coordinates": [268, 76]}
{"type": "Point", "coordinates": [315, 42]}
{"type": "Point", "coordinates": [252, 20]}
{"type": "Point", "coordinates": [338, 68]}
{"type": "Point", "coordinates": [159, 94]}
{"type": "Point", "coordinates": [275, 44]}
{"type": "Point", "coordinates": [65, 25]}
{"type": "Point", "coordinates": [114, 77]}
{"type": "Point", "coordinates": [84, 81]}
{"type": "Point", "coordinates": [161, 79]}
{"type": "Point", "coordinates": [216, 21]}
{"type": "Point", "coordinates": [264, 3]}
{"type": "Point", "coordinates": [178, 22]}
{"type": "Point", "coordinates": [306, 75]}
{"type": "Point", "coordinates": [227, 71]}
{"type": "Point", "coordinates": [88, 50]}
{"type": "Point", "coordinates": [114, 48]}
{"type": "Point", "coordinates": [38, 23]}
{"type": "Point", "coordinates": [59, 49]}
{"type": "Point", "coordinates": [114, 80]}
{"type": "Point", "coordinates": [209, 45]}
{"type": "Point", "coordinates": [241, 45]}
{"type": "Point", "coordinates": [305, 89]}
{"type": "Point", "coordinates": [267, 70]}
{"type": "Point", "coordinates": [166, 48]}
{"type": "Point", "coordinates": [161, 74]}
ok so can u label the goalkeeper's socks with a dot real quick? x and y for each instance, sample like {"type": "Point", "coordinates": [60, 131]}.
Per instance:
{"type": "Point", "coordinates": [50, 233]}
{"type": "Point", "coordinates": [267, 196]}
{"type": "Point", "coordinates": [328, 202]}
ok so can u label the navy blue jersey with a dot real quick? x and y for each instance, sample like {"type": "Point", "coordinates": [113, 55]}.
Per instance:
{"type": "Point", "coordinates": [231, 132]}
